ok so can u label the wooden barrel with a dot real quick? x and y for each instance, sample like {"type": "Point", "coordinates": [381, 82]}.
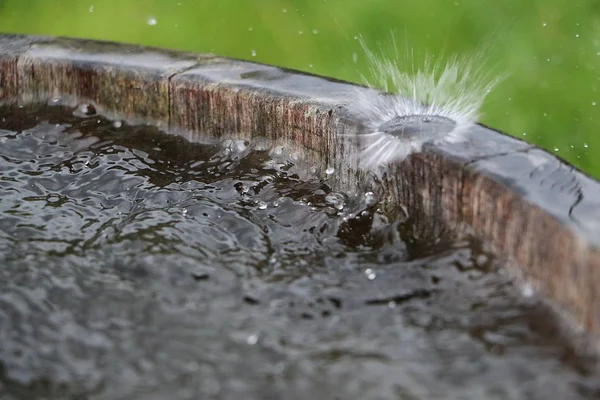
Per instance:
{"type": "Point", "coordinates": [534, 210]}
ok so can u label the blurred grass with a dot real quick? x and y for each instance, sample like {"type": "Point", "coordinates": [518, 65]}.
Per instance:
{"type": "Point", "coordinates": [550, 48]}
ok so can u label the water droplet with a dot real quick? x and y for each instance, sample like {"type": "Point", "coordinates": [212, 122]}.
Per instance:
{"type": "Point", "coordinates": [117, 124]}
{"type": "Point", "coordinates": [593, 103]}
{"type": "Point", "coordinates": [250, 29]}
{"type": "Point", "coordinates": [336, 200]}
{"type": "Point", "coordinates": [252, 339]}
{"type": "Point", "coordinates": [355, 57]}
{"type": "Point", "coordinates": [91, 8]}
{"type": "Point", "coordinates": [330, 170]}
{"type": "Point", "coordinates": [300, 32]}
{"type": "Point", "coordinates": [585, 145]}
{"type": "Point", "coordinates": [547, 59]}
{"type": "Point", "coordinates": [310, 65]}
{"type": "Point", "coordinates": [253, 53]}
{"type": "Point", "coordinates": [544, 24]}
{"type": "Point", "coordinates": [524, 133]}
{"type": "Point", "coordinates": [261, 205]}
{"type": "Point", "coordinates": [392, 304]}
{"type": "Point", "coordinates": [315, 31]}
{"type": "Point", "coordinates": [370, 198]}
{"type": "Point", "coordinates": [151, 21]}
{"type": "Point", "coordinates": [556, 149]}
{"type": "Point", "coordinates": [577, 35]}
{"type": "Point", "coordinates": [284, 10]}
{"type": "Point", "coordinates": [528, 290]}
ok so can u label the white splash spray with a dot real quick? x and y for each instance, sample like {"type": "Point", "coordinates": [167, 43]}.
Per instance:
{"type": "Point", "coordinates": [434, 103]}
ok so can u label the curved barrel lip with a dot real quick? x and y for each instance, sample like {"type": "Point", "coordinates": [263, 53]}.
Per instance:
{"type": "Point", "coordinates": [538, 211]}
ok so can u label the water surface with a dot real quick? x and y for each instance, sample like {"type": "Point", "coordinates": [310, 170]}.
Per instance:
{"type": "Point", "coordinates": [136, 265]}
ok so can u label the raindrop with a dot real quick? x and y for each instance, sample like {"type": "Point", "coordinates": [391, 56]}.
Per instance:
{"type": "Point", "coordinates": [310, 65]}
{"type": "Point", "coordinates": [300, 32]}
{"type": "Point", "coordinates": [556, 149]}
{"type": "Point", "coordinates": [544, 24]}
{"type": "Point", "coordinates": [315, 31]}
{"type": "Point", "coordinates": [250, 29]}
{"type": "Point", "coordinates": [253, 53]}
{"type": "Point", "coordinates": [91, 8]}
{"type": "Point", "coordinates": [284, 10]}
{"type": "Point", "coordinates": [577, 35]}
{"type": "Point", "coordinates": [330, 170]}
{"type": "Point", "coordinates": [261, 205]}
{"type": "Point", "coordinates": [585, 145]}
{"type": "Point", "coordinates": [151, 21]}
{"type": "Point", "coordinates": [117, 124]}
{"type": "Point", "coordinates": [593, 103]}
{"type": "Point", "coordinates": [392, 304]}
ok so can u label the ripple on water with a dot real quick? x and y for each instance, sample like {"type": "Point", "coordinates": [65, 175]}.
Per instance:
{"type": "Point", "coordinates": [137, 265]}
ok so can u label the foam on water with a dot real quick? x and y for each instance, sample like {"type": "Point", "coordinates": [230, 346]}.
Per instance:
{"type": "Point", "coordinates": [435, 102]}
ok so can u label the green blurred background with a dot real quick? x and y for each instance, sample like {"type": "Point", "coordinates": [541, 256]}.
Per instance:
{"type": "Point", "coordinates": [550, 48]}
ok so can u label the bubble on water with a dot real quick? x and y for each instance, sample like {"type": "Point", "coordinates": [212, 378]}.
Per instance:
{"type": "Point", "coordinates": [370, 198]}
{"type": "Point", "coordinates": [252, 339]}
{"type": "Point", "coordinates": [370, 274]}
{"type": "Point", "coordinates": [253, 53]}
{"type": "Point", "coordinates": [330, 170]}
{"type": "Point", "coordinates": [436, 102]}
{"type": "Point", "coordinates": [151, 21]}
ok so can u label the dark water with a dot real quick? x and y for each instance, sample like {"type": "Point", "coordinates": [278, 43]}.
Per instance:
{"type": "Point", "coordinates": [135, 265]}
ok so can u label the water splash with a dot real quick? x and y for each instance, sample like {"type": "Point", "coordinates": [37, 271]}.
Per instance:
{"type": "Point", "coordinates": [436, 102]}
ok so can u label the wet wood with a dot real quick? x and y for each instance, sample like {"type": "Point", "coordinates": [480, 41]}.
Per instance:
{"type": "Point", "coordinates": [533, 209]}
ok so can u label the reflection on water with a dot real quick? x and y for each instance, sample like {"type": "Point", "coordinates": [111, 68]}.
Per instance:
{"type": "Point", "coordinates": [137, 265]}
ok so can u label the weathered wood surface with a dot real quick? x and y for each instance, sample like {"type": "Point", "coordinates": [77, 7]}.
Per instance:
{"type": "Point", "coordinates": [528, 205]}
